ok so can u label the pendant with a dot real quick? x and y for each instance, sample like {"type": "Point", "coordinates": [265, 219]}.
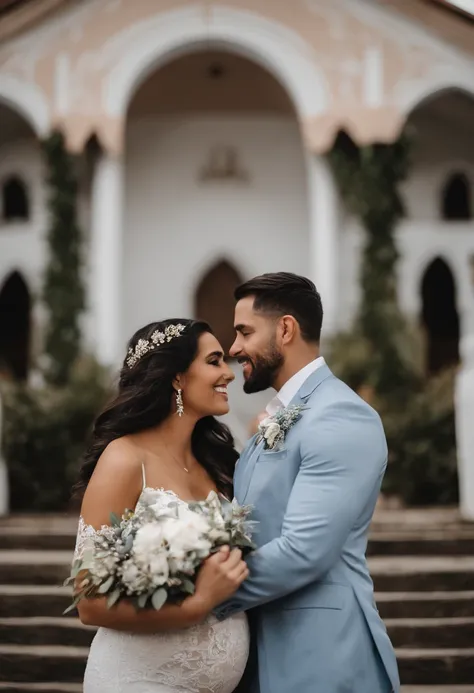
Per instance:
{"type": "Point", "coordinates": [186, 470]}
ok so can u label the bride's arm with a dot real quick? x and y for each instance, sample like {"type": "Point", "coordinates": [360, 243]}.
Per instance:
{"type": "Point", "coordinates": [114, 487]}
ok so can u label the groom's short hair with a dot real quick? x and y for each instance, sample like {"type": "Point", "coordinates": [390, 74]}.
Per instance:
{"type": "Point", "coordinates": [284, 293]}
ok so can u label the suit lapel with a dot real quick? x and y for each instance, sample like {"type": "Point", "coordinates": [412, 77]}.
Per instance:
{"type": "Point", "coordinates": [252, 452]}
{"type": "Point", "coordinates": [248, 470]}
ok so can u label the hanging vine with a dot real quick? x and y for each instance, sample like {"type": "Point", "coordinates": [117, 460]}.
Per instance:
{"type": "Point", "coordinates": [369, 179]}
{"type": "Point", "coordinates": [63, 291]}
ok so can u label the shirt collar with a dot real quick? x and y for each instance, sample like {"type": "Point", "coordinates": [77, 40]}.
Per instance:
{"type": "Point", "coordinates": [291, 387]}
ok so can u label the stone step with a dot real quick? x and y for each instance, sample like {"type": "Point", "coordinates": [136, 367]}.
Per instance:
{"type": "Point", "coordinates": [48, 567]}
{"type": "Point", "coordinates": [395, 605]}
{"type": "Point", "coordinates": [48, 687]}
{"type": "Point", "coordinates": [28, 539]}
{"type": "Point", "coordinates": [404, 633]}
{"type": "Point", "coordinates": [431, 632]}
{"type": "Point", "coordinates": [403, 544]}
{"type": "Point", "coordinates": [42, 663]}
{"type": "Point", "coordinates": [19, 601]}
{"type": "Point", "coordinates": [436, 689]}
{"type": "Point", "coordinates": [390, 573]}
{"type": "Point", "coordinates": [443, 667]}
{"type": "Point", "coordinates": [422, 573]}
{"type": "Point", "coordinates": [45, 630]}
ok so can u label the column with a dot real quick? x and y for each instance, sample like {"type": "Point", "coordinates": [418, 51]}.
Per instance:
{"type": "Point", "coordinates": [106, 259]}
{"type": "Point", "coordinates": [324, 238]}
{"type": "Point", "coordinates": [464, 409]}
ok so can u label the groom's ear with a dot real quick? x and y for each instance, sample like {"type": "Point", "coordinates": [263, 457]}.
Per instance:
{"type": "Point", "coordinates": [288, 329]}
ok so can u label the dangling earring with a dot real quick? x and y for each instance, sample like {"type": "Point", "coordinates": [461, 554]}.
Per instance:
{"type": "Point", "coordinates": [179, 403]}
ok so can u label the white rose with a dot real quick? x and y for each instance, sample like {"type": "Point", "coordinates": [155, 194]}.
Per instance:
{"type": "Point", "coordinates": [272, 431]}
{"type": "Point", "coordinates": [133, 578]}
{"type": "Point", "coordinates": [159, 569]}
{"type": "Point", "coordinates": [148, 539]}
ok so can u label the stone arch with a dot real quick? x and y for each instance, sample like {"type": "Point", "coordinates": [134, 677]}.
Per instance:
{"type": "Point", "coordinates": [27, 100]}
{"type": "Point", "coordinates": [158, 40]}
{"type": "Point", "coordinates": [440, 316]}
{"type": "Point", "coordinates": [456, 198]}
{"type": "Point", "coordinates": [415, 94]}
{"type": "Point", "coordinates": [214, 300]}
{"type": "Point", "coordinates": [15, 316]}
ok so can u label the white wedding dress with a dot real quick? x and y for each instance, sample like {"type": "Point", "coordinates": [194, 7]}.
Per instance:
{"type": "Point", "coordinates": [207, 658]}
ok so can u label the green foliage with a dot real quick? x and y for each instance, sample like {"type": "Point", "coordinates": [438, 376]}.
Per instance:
{"type": "Point", "coordinates": [381, 357]}
{"type": "Point", "coordinates": [63, 291]}
{"type": "Point", "coordinates": [45, 430]}
{"type": "Point", "coordinates": [422, 465]}
{"type": "Point", "coordinates": [368, 179]}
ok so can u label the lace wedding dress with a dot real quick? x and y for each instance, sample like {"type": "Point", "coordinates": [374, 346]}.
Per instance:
{"type": "Point", "coordinates": [207, 658]}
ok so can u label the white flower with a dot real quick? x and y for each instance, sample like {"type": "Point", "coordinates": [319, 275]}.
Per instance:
{"type": "Point", "coordinates": [148, 539]}
{"type": "Point", "coordinates": [134, 579]}
{"type": "Point", "coordinates": [103, 567]}
{"type": "Point", "coordinates": [159, 569]}
{"type": "Point", "coordinates": [272, 431]}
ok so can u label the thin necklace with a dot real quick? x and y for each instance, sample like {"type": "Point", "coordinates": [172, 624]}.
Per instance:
{"type": "Point", "coordinates": [178, 462]}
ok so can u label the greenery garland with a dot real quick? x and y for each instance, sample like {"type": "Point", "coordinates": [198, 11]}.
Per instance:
{"type": "Point", "coordinates": [63, 291]}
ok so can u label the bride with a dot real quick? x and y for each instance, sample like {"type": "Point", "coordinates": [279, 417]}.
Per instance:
{"type": "Point", "coordinates": [158, 438]}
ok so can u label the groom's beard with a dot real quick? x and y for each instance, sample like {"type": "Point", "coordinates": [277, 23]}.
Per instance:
{"type": "Point", "coordinates": [264, 371]}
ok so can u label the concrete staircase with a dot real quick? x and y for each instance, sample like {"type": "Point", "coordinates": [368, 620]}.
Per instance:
{"type": "Point", "coordinates": [422, 563]}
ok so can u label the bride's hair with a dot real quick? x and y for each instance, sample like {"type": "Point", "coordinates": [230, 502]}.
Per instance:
{"type": "Point", "coordinates": [144, 399]}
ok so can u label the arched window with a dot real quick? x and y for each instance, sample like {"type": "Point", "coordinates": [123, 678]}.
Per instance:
{"type": "Point", "coordinates": [440, 317]}
{"type": "Point", "coordinates": [15, 204]}
{"type": "Point", "coordinates": [456, 202]}
{"type": "Point", "coordinates": [15, 308]}
{"type": "Point", "coordinates": [214, 301]}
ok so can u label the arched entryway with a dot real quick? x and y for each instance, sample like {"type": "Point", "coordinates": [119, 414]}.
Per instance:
{"type": "Point", "coordinates": [439, 316]}
{"type": "Point", "coordinates": [15, 309]}
{"type": "Point", "coordinates": [215, 165]}
{"type": "Point", "coordinates": [214, 301]}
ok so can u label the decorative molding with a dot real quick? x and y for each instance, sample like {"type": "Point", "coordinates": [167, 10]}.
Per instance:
{"type": "Point", "coordinates": [156, 40]}
{"type": "Point", "coordinates": [223, 165]}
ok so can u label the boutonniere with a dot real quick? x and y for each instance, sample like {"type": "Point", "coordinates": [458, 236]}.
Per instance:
{"type": "Point", "coordinates": [273, 429]}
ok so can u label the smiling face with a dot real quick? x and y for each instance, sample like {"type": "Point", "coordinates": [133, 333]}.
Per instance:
{"type": "Point", "coordinates": [256, 346]}
{"type": "Point", "coordinates": [204, 384]}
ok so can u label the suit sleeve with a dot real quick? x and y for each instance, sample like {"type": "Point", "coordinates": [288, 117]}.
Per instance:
{"type": "Point", "coordinates": [343, 458]}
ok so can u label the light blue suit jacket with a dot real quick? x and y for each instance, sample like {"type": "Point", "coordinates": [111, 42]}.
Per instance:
{"type": "Point", "coordinates": [310, 593]}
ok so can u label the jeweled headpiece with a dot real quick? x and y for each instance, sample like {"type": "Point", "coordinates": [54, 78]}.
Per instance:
{"type": "Point", "coordinates": [143, 346]}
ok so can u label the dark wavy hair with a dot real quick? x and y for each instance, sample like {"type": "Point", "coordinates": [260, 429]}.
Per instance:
{"type": "Point", "coordinates": [144, 400]}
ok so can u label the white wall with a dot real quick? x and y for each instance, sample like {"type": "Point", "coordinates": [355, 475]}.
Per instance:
{"type": "Point", "coordinates": [176, 226]}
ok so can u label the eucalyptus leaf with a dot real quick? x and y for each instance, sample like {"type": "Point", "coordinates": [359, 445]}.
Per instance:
{"type": "Point", "coordinates": [142, 600]}
{"type": "Point", "coordinates": [114, 520]}
{"type": "Point", "coordinates": [105, 586]}
{"type": "Point", "coordinates": [159, 598]}
{"type": "Point", "coordinates": [188, 586]}
{"type": "Point", "coordinates": [113, 598]}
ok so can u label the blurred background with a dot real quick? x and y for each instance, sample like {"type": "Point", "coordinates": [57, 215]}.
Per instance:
{"type": "Point", "coordinates": [153, 155]}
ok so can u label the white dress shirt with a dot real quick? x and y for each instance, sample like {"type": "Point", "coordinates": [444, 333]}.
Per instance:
{"type": "Point", "coordinates": [291, 387]}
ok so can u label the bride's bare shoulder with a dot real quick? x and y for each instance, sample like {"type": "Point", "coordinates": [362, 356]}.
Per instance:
{"type": "Point", "coordinates": [115, 484]}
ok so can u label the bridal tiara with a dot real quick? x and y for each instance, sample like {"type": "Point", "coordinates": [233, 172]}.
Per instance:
{"type": "Point", "coordinates": [143, 346]}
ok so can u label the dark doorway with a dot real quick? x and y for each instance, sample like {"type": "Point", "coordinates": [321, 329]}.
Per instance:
{"type": "Point", "coordinates": [15, 307]}
{"type": "Point", "coordinates": [214, 301]}
{"type": "Point", "coordinates": [440, 317]}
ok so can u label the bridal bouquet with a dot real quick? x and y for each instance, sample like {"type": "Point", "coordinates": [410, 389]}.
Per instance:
{"type": "Point", "coordinates": [151, 556]}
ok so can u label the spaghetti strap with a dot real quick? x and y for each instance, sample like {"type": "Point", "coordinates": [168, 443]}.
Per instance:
{"type": "Point", "coordinates": [143, 476]}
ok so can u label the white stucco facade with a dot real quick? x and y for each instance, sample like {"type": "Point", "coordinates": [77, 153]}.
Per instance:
{"type": "Point", "coordinates": [155, 222]}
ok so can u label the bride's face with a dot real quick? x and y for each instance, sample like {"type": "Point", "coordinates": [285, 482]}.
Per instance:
{"type": "Point", "coordinates": [204, 384]}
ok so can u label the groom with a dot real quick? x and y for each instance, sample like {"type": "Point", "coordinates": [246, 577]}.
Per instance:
{"type": "Point", "coordinates": [314, 488]}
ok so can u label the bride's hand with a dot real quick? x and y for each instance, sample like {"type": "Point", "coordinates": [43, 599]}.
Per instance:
{"type": "Point", "coordinates": [220, 576]}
